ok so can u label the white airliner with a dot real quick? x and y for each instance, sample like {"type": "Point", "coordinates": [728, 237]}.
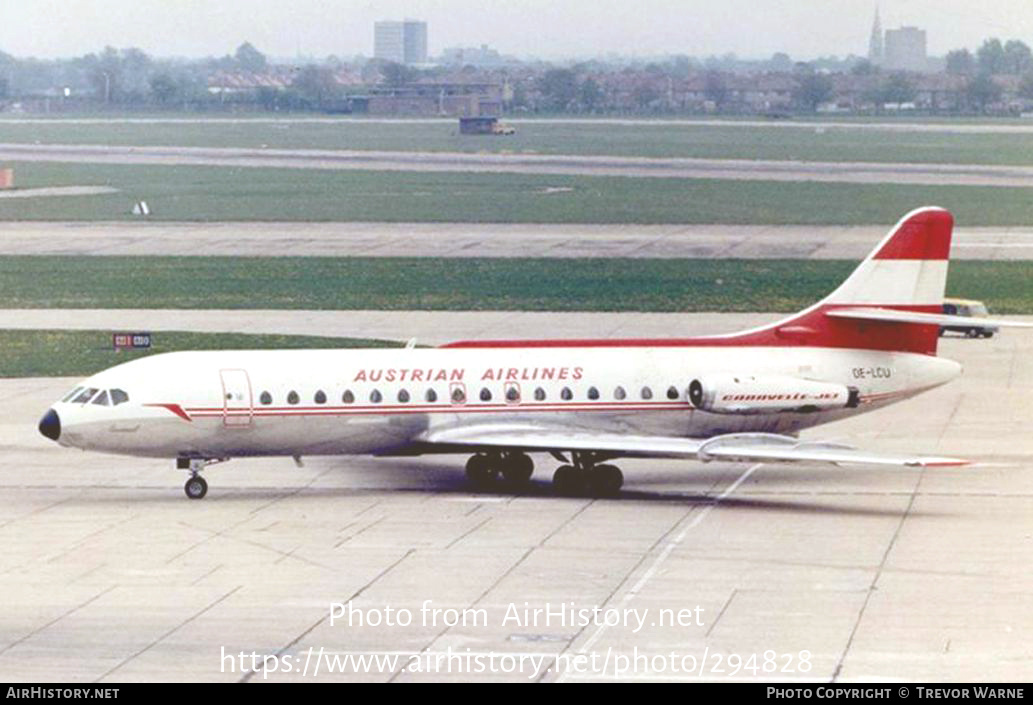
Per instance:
{"type": "Point", "coordinates": [742, 397]}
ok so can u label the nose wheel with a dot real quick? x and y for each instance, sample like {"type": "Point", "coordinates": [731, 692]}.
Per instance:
{"type": "Point", "coordinates": [196, 487]}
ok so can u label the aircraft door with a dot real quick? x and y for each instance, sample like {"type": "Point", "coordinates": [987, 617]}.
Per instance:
{"type": "Point", "coordinates": [237, 409]}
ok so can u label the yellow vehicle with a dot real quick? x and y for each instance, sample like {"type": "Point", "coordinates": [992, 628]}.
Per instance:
{"type": "Point", "coordinates": [501, 128]}
{"type": "Point", "coordinates": [968, 307]}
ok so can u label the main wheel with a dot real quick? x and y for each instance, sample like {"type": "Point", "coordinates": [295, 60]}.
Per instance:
{"type": "Point", "coordinates": [606, 480]}
{"type": "Point", "coordinates": [196, 487]}
{"type": "Point", "coordinates": [567, 481]}
{"type": "Point", "coordinates": [479, 470]}
{"type": "Point", "coordinates": [517, 468]}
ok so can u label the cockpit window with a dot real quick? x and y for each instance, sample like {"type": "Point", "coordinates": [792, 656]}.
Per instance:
{"type": "Point", "coordinates": [102, 399]}
{"type": "Point", "coordinates": [118, 397]}
{"type": "Point", "coordinates": [85, 396]}
{"type": "Point", "coordinates": [72, 393]}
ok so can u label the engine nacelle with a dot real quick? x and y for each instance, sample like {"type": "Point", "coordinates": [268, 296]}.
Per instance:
{"type": "Point", "coordinates": [747, 394]}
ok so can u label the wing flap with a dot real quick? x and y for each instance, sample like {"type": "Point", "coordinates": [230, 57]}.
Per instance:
{"type": "Point", "coordinates": [936, 319]}
{"type": "Point", "coordinates": [744, 447]}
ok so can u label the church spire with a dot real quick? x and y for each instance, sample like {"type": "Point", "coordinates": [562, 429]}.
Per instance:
{"type": "Point", "coordinates": [875, 42]}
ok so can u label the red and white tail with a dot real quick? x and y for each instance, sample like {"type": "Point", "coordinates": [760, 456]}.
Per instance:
{"type": "Point", "coordinates": [888, 302]}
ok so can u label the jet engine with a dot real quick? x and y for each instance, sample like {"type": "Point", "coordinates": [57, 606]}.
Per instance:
{"type": "Point", "coordinates": [745, 394]}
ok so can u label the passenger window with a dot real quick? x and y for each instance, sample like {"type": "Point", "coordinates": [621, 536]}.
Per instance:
{"type": "Point", "coordinates": [672, 393]}
{"type": "Point", "coordinates": [265, 398]}
{"type": "Point", "coordinates": [619, 393]}
{"type": "Point", "coordinates": [118, 397]}
{"type": "Point", "coordinates": [647, 393]}
{"type": "Point", "coordinates": [431, 396]}
{"type": "Point", "coordinates": [513, 393]}
{"type": "Point", "coordinates": [348, 397]}
{"type": "Point", "coordinates": [376, 397]}
{"type": "Point", "coordinates": [86, 395]}
{"type": "Point", "coordinates": [102, 399]}
{"type": "Point", "coordinates": [320, 397]}
{"type": "Point", "coordinates": [72, 393]}
{"type": "Point", "coordinates": [458, 394]}
{"type": "Point", "coordinates": [566, 394]}
{"type": "Point", "coordinates": [293, 397]}
{"type": "Point", "coordinates": [539, 394]}
{"type": "Point", "coordinates": [485, 394]}
{"type": "Point", "coordinates": [403, 396]}
{"type": "Point", "coordinates": [593, 393]}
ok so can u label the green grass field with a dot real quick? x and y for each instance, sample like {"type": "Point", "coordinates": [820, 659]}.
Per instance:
{"type": "Point", "coordinates": [843, 142]}
{"type": "Point", "coordinates": [462, 284]}
{"type": "Point", "coordinates": [49, 353]}
{"type": "Point", "coordinates": [189, 193]}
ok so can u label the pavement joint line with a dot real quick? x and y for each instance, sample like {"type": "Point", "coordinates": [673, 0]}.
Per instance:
{"type": "Point", "coordinates": [875, 580]}
{"type": "Point", "coordinates": [668, 549]}
{"type": "Point", "coordinates": [246, 677]}
{"type": "Point", "coordinates": [57, 619]}
{"type": "Point", "coordinates": [467, 533]}
{"type": "Point", "coordinates": [167, 634]}
{"type": "Point", "coordinates": [480, 598]}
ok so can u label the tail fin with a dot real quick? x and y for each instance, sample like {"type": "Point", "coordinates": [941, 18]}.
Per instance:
{"type": "Point", "coordinates": [888, 303]}
{"type": "Point", "coordinates": [906, 272]}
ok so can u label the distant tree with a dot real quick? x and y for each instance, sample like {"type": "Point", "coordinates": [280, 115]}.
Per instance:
{"type": "Point", "coordinates": [990, 57]}
{"type": "Point", "coordinates": [558, 88]}
{"type": "Point", "coordinates": [105, 74]}
{"type": "Point", "coordinates": [590, 95]}
{"type": "Point", "coordinates": [1026, 86]}
{"type": "Point", "coordinates": [250, 59]}
{"type": "Point", "coordinates": [681, 66]}
{"type": "Point", "coordinates": [645, 94]}
{"type": "Point", "coordinates": [812, 89]}
{"type": "Point", "coordinates": [315, 85]}
{"type": "Point", "coordinates": [960, 62]}
{"type": "Point", "coordinates": [520, 99]}
{"type": "Point", "coordinates": [715, 88]}
{"type": "Point", "coordinates": [897, 89]}
{"type": "Point", "coordinates": [864, 67]}
{"type": "Point", "coordinates": [4, 88]}
{"type": "Point", "coordinates": [982, 91]}
{"type": "Point", "coordinates": [397, 74]}
{"type": "Point", "coordinates": [164, 89]}
{"type": "Point", "coordinates": [781, 62]}
{"type": "Point", "coordinates": [1017, 57]}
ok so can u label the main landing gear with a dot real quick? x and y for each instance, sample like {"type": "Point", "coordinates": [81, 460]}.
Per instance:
{"type": "Point", "coordinates": [196, 486]}
{"type": "Point", "coordinates": [484, 469]}
{"type": "Point", "coordinates": [583, 475]}
{"type": "Point", "coordinates": [586, 475]}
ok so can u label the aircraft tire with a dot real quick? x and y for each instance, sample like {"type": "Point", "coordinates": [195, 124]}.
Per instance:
{"type": "Point", "coordinates": [518, 468]}
{"type": "Point", "coordinates": [479, 470]}
{"type": "Point", "coordinates": [196, 487]}
{"type": "Point", "coordinates": [606, 480]}
{"type": "Point", "coordinates": [567, 481]}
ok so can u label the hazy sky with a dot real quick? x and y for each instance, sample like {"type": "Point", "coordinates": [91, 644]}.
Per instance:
{"type": "Point", "coordinates": [545, 28]}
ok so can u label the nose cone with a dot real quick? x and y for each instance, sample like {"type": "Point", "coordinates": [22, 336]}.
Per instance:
{"type": "Point", "coordinates": [50, 425]}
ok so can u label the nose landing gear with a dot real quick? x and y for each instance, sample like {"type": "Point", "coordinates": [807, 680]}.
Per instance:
{"type": "Point", "coordinates": [196, 487]}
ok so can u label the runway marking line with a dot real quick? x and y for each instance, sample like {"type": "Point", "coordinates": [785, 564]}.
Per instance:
{"type": "Point", "coordinates": [669, 549]}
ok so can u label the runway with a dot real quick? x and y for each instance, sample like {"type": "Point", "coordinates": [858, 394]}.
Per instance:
{"type": "Point", "coordinates": [484, 240]}
{"type": "Point", "coordinates": [569, 165]}
{"type": "Point", "coordinates": [945, 127]}
{"type": "Point", "coordinates": [110, 574]}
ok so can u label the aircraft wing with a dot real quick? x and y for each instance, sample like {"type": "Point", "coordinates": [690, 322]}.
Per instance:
{"type": "Point", "coordinates": [889, 315]}
{"type": "Point", "coordinates": [739, 447]}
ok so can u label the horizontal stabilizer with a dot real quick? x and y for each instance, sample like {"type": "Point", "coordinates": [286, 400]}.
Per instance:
{"type": "Point", "coordinates": [890, 315]}
{"type": "Point", "coordinates": [736, 447]}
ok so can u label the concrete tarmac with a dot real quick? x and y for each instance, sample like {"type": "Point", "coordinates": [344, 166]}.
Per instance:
{"type": "Point", "coordinates": [793, 573]}
{"type": "Point", "coordinates": [562, 164]}
{"type": "Point", "coordinates": [484, 240]}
